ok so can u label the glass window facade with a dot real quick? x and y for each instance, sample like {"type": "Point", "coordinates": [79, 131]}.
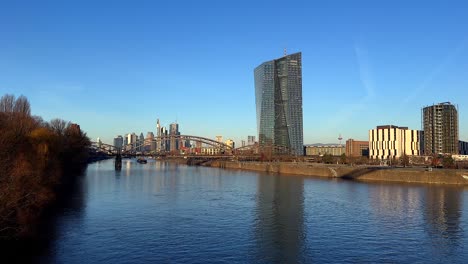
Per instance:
{"type": "Point", "coordinates": [278, 94]}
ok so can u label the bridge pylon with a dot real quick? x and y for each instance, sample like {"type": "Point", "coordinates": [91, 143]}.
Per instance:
{"type": "Point", "coordinates": [118, 159]}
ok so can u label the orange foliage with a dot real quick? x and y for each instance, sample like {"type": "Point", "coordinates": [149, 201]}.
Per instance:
{"type": "Point", "coordinates": [32, 158]}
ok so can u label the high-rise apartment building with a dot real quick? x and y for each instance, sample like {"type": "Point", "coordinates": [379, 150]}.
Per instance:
{"type": "Point", "coordinates": [250, 140]}
{"type": "Point", "coordinates": [440, 125]}
{"type": "Point", "coordinates": [391, 142]}
{"type": "Point", "coordinates": [278, 95]}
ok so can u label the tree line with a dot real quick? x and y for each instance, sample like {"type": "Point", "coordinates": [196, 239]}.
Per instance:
{"type": "Point", "coordinates": [36, 159]}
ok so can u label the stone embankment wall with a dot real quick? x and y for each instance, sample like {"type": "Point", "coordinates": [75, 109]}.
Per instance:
{"type": "Point", "coordinates": [409, 175]}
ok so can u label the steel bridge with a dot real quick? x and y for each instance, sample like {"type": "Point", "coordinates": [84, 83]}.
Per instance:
{"type": "Point", "coordinates": [133, 148]}
{"type": "Point", "coordinates": [224, 149]}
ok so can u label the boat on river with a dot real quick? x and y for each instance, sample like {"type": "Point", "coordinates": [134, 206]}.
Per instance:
{"type": "Point", "coordinates": [142, 161]}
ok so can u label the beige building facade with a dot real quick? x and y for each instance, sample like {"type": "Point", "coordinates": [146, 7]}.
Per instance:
{"type": "Point", "coordinates": [390, 141]}
{"type": "Point", "coordinates": [320, 150]}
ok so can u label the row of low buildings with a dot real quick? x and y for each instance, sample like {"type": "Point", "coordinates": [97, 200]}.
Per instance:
{"type": "Point", "coordinates": [439, 136]}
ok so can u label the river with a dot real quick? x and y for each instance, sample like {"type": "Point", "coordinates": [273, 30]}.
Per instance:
{"type": "Point", "coordinates": [163, 212]}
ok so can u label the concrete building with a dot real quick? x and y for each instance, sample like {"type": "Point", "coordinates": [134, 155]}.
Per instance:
{"type": "Point", "coordinates": [322, 149]}
{"type": "Point", "coordinates": [440, 125]}
{"type": "Point", "coordinates": [356, 148]}
{"type": "Point", "coordinates": [391, 141]}
{"type": "Point", "coordinates": [278, 97]}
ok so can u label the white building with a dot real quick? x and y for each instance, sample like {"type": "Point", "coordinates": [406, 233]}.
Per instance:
{"type": "Point", "coordinates": [390, 141]}
{"type": "Point", "coordinates": [210, 151]}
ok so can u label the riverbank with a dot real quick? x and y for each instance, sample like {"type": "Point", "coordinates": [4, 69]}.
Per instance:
{"type": "Point", "coordinates": [360, 173]}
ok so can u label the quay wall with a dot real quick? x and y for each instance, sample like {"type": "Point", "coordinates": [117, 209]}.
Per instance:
{"type": "Point", "coordinates": [385, 174]}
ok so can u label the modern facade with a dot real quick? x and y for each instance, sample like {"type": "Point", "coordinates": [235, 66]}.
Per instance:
{"type": "Point", "coordinates": [357, 148]}
{"type": "Point", "coordinates": [440, 125]}
{"type": "Point", "coordinates": [278, 95]}
{"type": "Point", "coordinates": [392, 142]}
{"type": "Point", "coordinates": [322, 149]}
{"type": "Point", "coordinates": [462, 147]}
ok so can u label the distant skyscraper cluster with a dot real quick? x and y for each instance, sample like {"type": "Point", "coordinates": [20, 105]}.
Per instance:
{"type": "Point", "coordinates": [169, 141]}
{"type": "Point", "coordinates": [278, 95]}
{"type": "Point", "coordinates": [162, 141]}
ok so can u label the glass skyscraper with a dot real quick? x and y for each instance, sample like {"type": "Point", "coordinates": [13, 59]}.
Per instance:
{"type": "Point", "coordinates": [278, 95]}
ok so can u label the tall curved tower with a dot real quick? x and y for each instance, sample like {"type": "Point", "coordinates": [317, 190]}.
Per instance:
{"type": "Point", "coordinates": [278, 95]}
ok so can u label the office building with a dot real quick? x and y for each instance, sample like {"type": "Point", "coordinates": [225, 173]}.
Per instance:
{"type": "Point", "coordinates": [323, 149]}
{"type": "Point", "coordinates": [125, 141]}
{"type": "Point", "coordinates": [174, 142]}
{"type": "Point", "coordinates": [462, 147]}
{"type": "Point", "coordinates": [278, 95]}
{"type": "Point", "coordinates": [118, 141]}
{"type": "Point", "coordinates": [150, 143]}
{"type": "Point", "coordinates": [392, 142]}
{"type": "Point", "coordinates": [356, 148]}
{"type": "Point", "coordinates": [158, 135]}
{"type": "Point", "coordinates": [250, 140]}
{"type": "Point", "coordinates": [440, 125]}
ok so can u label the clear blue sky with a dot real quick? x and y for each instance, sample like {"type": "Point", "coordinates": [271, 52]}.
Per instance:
{"type": "Point", "coordinates": [115, 66]}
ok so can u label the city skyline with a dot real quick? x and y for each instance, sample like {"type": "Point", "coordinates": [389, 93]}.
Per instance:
{"type": "Point", "coordinates": [116, 69]}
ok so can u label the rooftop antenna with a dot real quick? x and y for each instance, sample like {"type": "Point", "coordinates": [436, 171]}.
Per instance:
{"type": "Point", "coordinates": [285, 53]}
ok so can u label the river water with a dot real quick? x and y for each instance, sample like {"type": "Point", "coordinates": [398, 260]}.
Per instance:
{"type": "Point", "coordinates": [167, 213]}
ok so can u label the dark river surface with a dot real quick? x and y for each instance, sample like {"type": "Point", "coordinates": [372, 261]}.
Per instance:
{"type": "Point", "coordinates": [167, 213]}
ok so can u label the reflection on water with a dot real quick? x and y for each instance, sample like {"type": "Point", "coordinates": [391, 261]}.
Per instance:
{"type": "Point", "coordinates": [442, 214]}
{"type": "Point", "coordinates": [162, 212]}
{"type": "Point", "coordinates": [279, 224]}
